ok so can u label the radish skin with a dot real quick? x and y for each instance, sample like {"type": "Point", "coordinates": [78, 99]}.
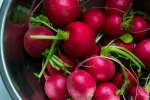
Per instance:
{"type": "Point", "coordinates": [35, 47]}
{"type": "Point", "coordinates": [80, 85]}
{"type": "Point", "coordinates": [99, 67]}
{"type": "Point", "coordinates": [81, 40]}
{"type": "Point", "coordinates": [62, 12]}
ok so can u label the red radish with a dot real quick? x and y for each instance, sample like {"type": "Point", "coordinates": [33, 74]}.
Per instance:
{"type": "Point", "coordinates": [143, 52]}
{"type": "Point", "coordinates": [97, 49]}
{"type": "Point", "coordinates": [119, 80]}
{"type": "Point", "coordinates": [139, 28]}
{"type": "Point", "coordinates": [100, 68]}
{"type": "Point", "coordinates": [139, 93]}
{"type": "Point", "coordinates": [113, 26]}
{"type": "Point", "coordinates": [35, 47]}
{"type": "Point", "coordinates": [55, 87]}
{"type": "Point", "coordinates": [62, 12]}
{"type": "Point", "coordinates": [129, 46]}
{"type": "Point", "coordinates": [80, 85]}
{"type": "Point", "coordinates": [118, 7]}
{"type": "Point", "coordinates": [95, 19]}
{"type": "Point", "coordinates": [106, 91]}
{"type": "Point", "coordinates": [81, 40]}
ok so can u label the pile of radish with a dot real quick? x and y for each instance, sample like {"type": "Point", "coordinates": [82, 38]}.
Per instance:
{"type": "Point", "coordinates": [96, 53]}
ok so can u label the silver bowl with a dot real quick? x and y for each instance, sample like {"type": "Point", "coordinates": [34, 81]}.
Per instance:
{"type": "Point", "coordinates": [16, 66]}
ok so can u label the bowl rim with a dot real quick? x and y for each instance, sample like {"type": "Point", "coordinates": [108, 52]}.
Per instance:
{"type": "Point", "coordinates": [3, 69]}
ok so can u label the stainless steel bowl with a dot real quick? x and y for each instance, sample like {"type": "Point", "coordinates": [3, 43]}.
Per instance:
{"type": "Point", "coordinates": [16, 66]}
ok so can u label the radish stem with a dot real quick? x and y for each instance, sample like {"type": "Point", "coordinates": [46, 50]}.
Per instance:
{"type": "Point", "coordinates": [45, 37]}
{"type": "Point", "coordinates": [126, 82]}
{"type": "Point", "coordinates": [124, 52]}
{"type": "Point", "coordinates": [51, 52]}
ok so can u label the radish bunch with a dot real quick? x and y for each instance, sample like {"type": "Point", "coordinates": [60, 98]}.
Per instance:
{"type": "Point", "coordinates": [92, 53]}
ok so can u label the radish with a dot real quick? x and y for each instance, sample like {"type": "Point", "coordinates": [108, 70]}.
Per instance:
{"type": "Point", "coordinates": [35, 47]}
{"type": "Point", "coordinates": [129, 46]}
{"type": "Point", "coordinates": [95, 18]}
{"type": "Point", "coordinates": [118, 7]}
{"type": "Point", "coordinates": [113, 26]}
{"type": "Point", "coordinates": [81, 40]}
{"type": "Point", "coordinates": [55, 87]}
{"type": "Point", "coordinates": [80, 85]}
{"type": "Point", "coordinates": [119, 80]}
{"type": "Point", "coordinates": [100, 68]}
{"type": "Point", "coordinates": [106, 91]}
{"type": "Point", "coordinates": [139, 93]}
{"type": "Point", "coordinates": [97, 49]}
{"type": "Point", "coordinates": [139, 28]}
{"type": "Point", "coordinates": [78, 40]}
{"type": "Point", "coordinates": [62, 12]}
{"type": "Point", "coordinates": [143, 52]}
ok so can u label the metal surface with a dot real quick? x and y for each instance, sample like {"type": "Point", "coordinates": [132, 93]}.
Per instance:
{"type": "Point", "coordinates": [4, 95]}
{"type": "Point", "coordinates": [5, 75]}
{"type": "Point", "coordinates": [16, 66]}
{"type": "Point", "coordinates": [1, 1]}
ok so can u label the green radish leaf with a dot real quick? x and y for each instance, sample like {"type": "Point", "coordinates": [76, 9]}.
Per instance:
{"type": "Point", "coordinates": [126, 38]}
{"type": "Point", "coordinates": [41, 19]}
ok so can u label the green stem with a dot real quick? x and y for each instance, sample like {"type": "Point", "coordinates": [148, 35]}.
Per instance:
{"type": "Point", "coordinates": [123, 88]}
{"type": "Point", "coordinates": [60, 65]}
{"type": "Point", "coordinates": [56, 62]}
{"type": "Point", "coordinates": [147, 87]}
{"type": "Point", "coordinates": [127, 19]}
{"type": "Point", "coordinates": [54, 65]}
{"type": "Point", "coordinates": [110, 43]}
{"type": "Point", "coordinates": [124, 52]}
{"type": "Point", "coordinates": [41, 19]}
{"type": "Point", "coordinates": [63, 63]}
{"type": "Point", "coordinates": [51, 52]}
{"type": "Point", "coordinates": [45, 37]}
{"type": "Point", "coordinates": [125, 85]}
{"type": "Point", "coordinates": [131, 54]}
